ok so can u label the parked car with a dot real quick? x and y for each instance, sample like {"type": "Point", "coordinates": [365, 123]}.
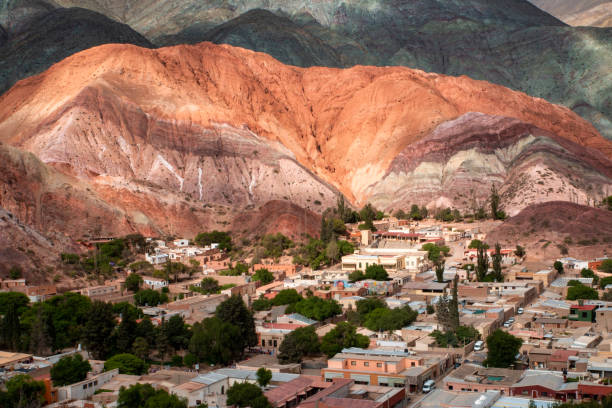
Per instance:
{"type": "Point", "coordinates": [479, 345]}
{"type": "Point", "coordinates": [520, 310]}
{"type": "Point", "coordinates": [507, 324]}
{"type": "Point", "coordinates": [429, 385]}
{"type": "Point", "coordinates": [511, 320]}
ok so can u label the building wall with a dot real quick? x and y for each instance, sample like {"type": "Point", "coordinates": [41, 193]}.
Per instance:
{"type": "Point", "coordinates": [85, 389]}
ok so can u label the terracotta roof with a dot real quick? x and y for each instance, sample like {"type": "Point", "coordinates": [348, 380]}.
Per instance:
{"type": "Point", "coordinates": [562, 355]}
{"type": "Point", "coordinates": [288, 391]}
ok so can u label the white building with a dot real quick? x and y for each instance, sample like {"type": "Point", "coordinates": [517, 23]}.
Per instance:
{"type": "Point", "coordinates": [209, 388]}
{"type": "Point", "coordinates": [181, 242]}
{"type": "Point", "coordinates": [86, 388]}
{"type": "Point", "coordinates": [154, 283]}
{"type": "Point", "coordinates": [157, 258]}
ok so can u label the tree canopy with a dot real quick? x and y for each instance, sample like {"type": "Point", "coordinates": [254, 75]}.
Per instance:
{"type": "Point", "coordinates": [215, 237]}
{"type": "Point", "coordinates": [264, 276]}
{"type": "Point", "coordinates": [264, 376]}
{"type": "Point", "coordinates": [581, 291]}
{"type": "Point", "coordinates": [145, 396]}
{"type": "Point", "coordinates": [126, 363]}
{"type": "Point", "coordinates": [246, 395]}
{"type": "Point", "coordinates": [502, 349]}
{"type": "Point", "coordinates": [234, 311]}
{"type": "Point", "coordinates": [344, 335]}
{"type": "Point", "coordinates": [286, 297]}
{"type": "Point", "coordinates": [215, 341]}
{"type": "Point", "coordinates": [316, 308]}
{"type": "Point", "coordinates": [299, 343]}
{"type": "Point", "coordinates": [69, 370]}
{"type": "Point", "coordinates": [384, 319]}
{"type": "Point", "coordinates": [22, 392]}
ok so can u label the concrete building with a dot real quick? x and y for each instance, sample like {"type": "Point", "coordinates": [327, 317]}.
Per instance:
{"type": "Point", "coordinates": [474, 378]}
{"type": "Point", "coordinates": [86, 388]}
{"type": "Point", "coordinates": [152, 282]}
{"type": "Point", "coordinates": [209, 388]}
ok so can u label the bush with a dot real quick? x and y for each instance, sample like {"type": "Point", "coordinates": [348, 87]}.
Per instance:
{"type": "Point", "coordinates": [215, 237]}
{"type": "Point", "coordinates": [286, 297]}
{"type": "Point", "coordinates": [316, 308]}
{"type": "Point", "coordinates": [581, 292]}
{"type": "Point", "coordinates": [606, 266]}
{"type": "Point", "coordinates": [264, 276]}
{"type": "Point", "coordinates": [133, 282]}
{"type": "Point", "coordinates": [126, 363]}
{"type": "Point", "coordinates": [261, 304]}
{"type": "Point", "coordinates": [150, 297]}
{"type": "Point", "coordinates": [69, 370]}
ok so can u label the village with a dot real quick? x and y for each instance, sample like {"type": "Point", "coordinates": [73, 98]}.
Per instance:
{"type": "Point", "coordinates": [404, 314]}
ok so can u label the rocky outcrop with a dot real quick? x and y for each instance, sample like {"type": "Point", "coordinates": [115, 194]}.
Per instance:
{"type": "Point", "coordinates": [555, 229]}
{"type": "Point", "coordinates": [457, 164]}
{"type": "Point", "coordinates": [596, 13]}
{"type": "Point", "coordinates": [198, 127]}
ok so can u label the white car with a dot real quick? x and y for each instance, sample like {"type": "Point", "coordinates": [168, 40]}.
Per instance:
{"type": "Point", "coordinates": [479, 345]}
{"type": "Point", "coordinates": [429, 385]}
{"type": "Point", "coordinates": [507, 324]}
{"type": "Point", "coordinates": [520, 310]}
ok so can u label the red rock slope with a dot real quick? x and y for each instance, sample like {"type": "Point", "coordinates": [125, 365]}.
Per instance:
{"type": "Point", "coordinates": [184, 137]}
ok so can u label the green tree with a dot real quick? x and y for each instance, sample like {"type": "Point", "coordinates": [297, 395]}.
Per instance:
{"type": "Point", "coordinates": [70, 370]}
{"type": "Point", "coordinates": [126, 363]}
{"type": "Point", "coordinates": [246, 395]}
{"type": "Point", "coordinates": [581, 292]}
{"type": "Point", "coordinates": [502, 349]}
{"type": "Point", "coordinates": [98, 330]}
{"type": "Point", "coordinates": [145, 396]}
{"type": "Point", "coordinates": [133, 282]}
{"type": "Point", "coordinates": [366, 306]}
{"type": "Point", "coordinates": [209, 285]}
{"type": "Point", "coordinates": [475, 244]}
{"type": "Point", "coordinates": [11, 328]}
{"type": "Point", "coordinates": [416, 213]}
{"type": "Point", "coordinates": [150, 297]}
{"type": "Point", "coordinates": [261, 304]}
{"type": "Point", "coordinates": [286, 297]}
{"type": "Point", "coordinates": [16, 299]}
{"type": "Point", "coordinates": [234, 311]}
{"type": "Point", "coordinates": [332, 251]}
{"type": "Point", "coordinates": [15, 272]}
{"type": "Point", "coordinates": [22, 392]}
{"type": "Point", "coordinates": [520, 251]}
{"type": "Point", "coordinates": [482, 263]}
{"type": "Point", "coordinates": [606, 266]}
{"type": "Point", "coordinates": [344, 335]}
{"type": "Point", "coordinates": [141, 348]}
{"type": "Point", "coordinates": [497, 259]}
{"type": "Point", "coordinates": [376, 272]}
{"type": "Point", "coordinates": [297, 344]}
{"type": "Point", "coordinates": [215, 342]}
{"type": "Point", "coordinates": [264, 276]}
{"type": "Point", "coordinates": [215, 237]}
{"type": "Point", "coordinates": [605, 282]}
{"type": "Point", "coordinates": [588, 273]}
{"type": "Point", "coordinates": [316, 308]}
{"type": "Point", "coordinates": [390, 319]}
{"type": "Point", "coordinates": [494, 199]}
{"type": "Point", "coordinates": [264, 376]}
{"type": "Point", "coordinates": [558, 265]}
{"type": "Point", "coordinates": [177, 332]}
{"type": "Point", "coordinates": [275, 245]}
{"type": "Point", "coordinates": [439, 268]}
{"type": "Point", "coordinates": [356, 276]}
{"type": "Point", "coordinates": [435, 252]}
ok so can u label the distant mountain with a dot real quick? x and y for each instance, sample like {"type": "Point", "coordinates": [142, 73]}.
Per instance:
{"type": "Point", "coordinates": [596, 13]}
{"type": "Point", "coordinates": [42, 38]}
{"type": "Point", "coordinates": [511, 43]}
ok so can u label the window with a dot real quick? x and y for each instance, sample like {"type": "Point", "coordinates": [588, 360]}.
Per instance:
{"type": "Point", "coordinates": [96, 382]}
{"type": "Point", "coordinates": [378, 364]}
{"type": "Point", "coordinates": [275, 343]}
{"type": "Point", "coordinates": [544, 394]}
{"type": "Point", "coordinates": [366, 364]}
{"type": "Point", "coordinates": [398, 385]}
{"type": "Point", "coordinates": [412, 364]}
{"type": "Point", "coordinates": [263, 343]}
{"type": "Point", "coordinates": [353, 363]}
{"type": "Point", "coordinates": [269, 342]}
{"type": "Point", "coordinates": [450, 387]}
{"type": "Point", "coordinates": [84, 386]}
